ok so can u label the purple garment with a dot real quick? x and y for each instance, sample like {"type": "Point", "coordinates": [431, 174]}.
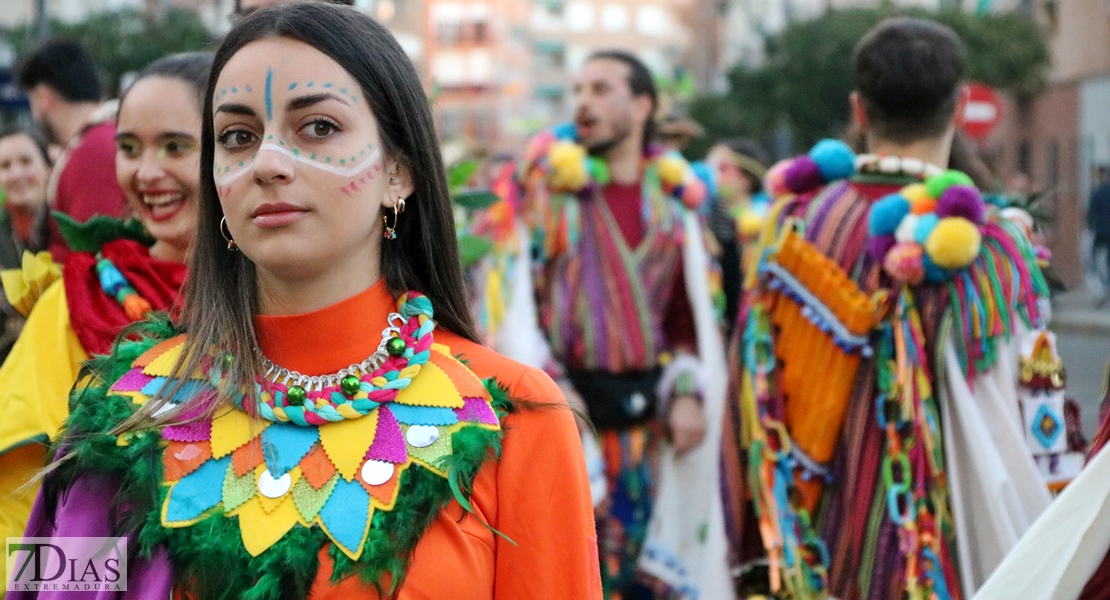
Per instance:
{"type": "Point", "coordinates": [83, 511]}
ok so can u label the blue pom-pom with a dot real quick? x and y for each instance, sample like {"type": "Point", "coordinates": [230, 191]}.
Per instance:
{"type": "Point", "coordinates": [925, 225]}
{"type": "Point", "coordinates": [886, 214]}
{"type": "Point", "coordinates": [933, 272]}
{"type": "Point", "coordinates": [708, 176]}
{"type": "Point", "coordinates": [564, 131]}
{"type": "Point", "coordinates": [834, 158]}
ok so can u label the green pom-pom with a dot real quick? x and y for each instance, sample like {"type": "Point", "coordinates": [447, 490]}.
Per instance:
{"type": "Point", "coordinates": [599, 170]}
{"type": "Point", "coordinates": [936, 184]}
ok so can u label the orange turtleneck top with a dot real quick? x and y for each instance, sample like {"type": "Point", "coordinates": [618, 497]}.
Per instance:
{"type": "Point", "coordinates": [537, 493]}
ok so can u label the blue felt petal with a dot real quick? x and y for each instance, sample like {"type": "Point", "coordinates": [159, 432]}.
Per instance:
{"type": "Point", "coordinates": [191, 389]}
{"type": "Point", "coordinates": [155, 386]}
{"type": "Point", "coordinates": [284, 445]}
{"type": "Point", "coordinates": [346, 513]}
{"type": "Point", "coordinates": [198, 491]}
{"type": "Point", "coordinates": [423, 415]}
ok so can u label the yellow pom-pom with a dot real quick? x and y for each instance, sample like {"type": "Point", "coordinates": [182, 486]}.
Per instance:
{"type": "Point", "coordinates": [672, 170]}
{"type": "Point", "coordinates": [916, 193]}
{"type": "Point", "coordinates": [568, 161]}
{"type": "Point", "coordinates": [954, 243]}
{"type": "Point", "coordinates": [750, 225]}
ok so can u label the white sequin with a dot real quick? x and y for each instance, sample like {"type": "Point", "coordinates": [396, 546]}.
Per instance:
{"type": "Point", "coordinates": [422, 436]}
{"type": "Point", "coordinates": [274, 488]}
{"type": "Point", "coordinates": [377, 472]}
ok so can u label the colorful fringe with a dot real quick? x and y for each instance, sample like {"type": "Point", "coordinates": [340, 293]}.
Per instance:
{"type": "Point", "coordinates": [1003, 281]}
{"type": "Point", "coordinates": [622, 521]}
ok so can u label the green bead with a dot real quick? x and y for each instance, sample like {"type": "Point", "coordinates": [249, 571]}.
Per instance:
{"type": "Point", "coordinates": [228, 359]}
{"type": "Point", "coordinates": [350, 385]}
{"type": "Point", "coordinates": [295, 396]}
{"type": "Point", "coordinates": [395, 346]}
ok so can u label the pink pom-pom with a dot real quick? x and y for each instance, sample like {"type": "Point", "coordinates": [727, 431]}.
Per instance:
{"type": "Point", "coordinates": [879, 245]}
{"type": "Point", "coordinates": [904, 263]}
{"type": "Point", "coordinates": [775, 179]}
{"type": "Point", "coordinates": [694, 193]}
{"type": "Point", "coordinates": [962, 201]}
{"type": "Point", "coordinates": [803, 175]}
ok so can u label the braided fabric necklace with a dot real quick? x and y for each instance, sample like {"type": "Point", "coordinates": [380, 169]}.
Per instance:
{"type": "Point", "coordinates": [281, 395]}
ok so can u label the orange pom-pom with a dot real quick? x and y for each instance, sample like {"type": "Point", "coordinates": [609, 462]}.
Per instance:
{"type": "Point", "coordinates": [923, 206]}
{"type": "Point", "coordinates": [136, 307]}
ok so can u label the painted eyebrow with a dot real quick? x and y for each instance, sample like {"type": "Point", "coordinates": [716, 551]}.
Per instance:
{"type": "Point", "coordinates": [236, 109]}
{"type": "Point", "coordinates": [306, 101]}
{"type": "Point", "coordinates": [167, 135]}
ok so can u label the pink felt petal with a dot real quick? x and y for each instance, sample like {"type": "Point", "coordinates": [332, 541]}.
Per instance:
{"type": "Point", "coordinates": [477, 410]}
{"type": "Point", "coordinates": [389, 442]}
{"type": "Point", "coordinates": [132, 381]}
{"type": "Point", "coordinates": [196, 431]}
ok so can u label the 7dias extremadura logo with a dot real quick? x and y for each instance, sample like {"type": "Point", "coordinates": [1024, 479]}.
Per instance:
{"type": "Point", "coordinates": [75, 564]}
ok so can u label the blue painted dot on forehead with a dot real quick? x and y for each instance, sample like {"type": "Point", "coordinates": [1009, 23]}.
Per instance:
{"type": "Point", "coordinates": [248, 88]}
{"type": "Point", "coordinates": [234, 90]}
{"type": "Point", "coordinates": [327, 85]}
{"type": "Point", "coordinates": [310, 84]}
{"type": "Point", "coordinates": [293, 86]}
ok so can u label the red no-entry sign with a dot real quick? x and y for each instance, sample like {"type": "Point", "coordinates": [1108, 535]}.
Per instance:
{"type": "Point", "coordinates": [982, 111]}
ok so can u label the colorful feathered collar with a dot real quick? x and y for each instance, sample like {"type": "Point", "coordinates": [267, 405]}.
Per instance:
{"type": "Point", "coordinates": [273, 476]}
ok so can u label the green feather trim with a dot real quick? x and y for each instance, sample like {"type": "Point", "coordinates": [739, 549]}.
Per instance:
{"type": "Point", "coordinates": [91, 235]}
{"type": "Point", "coordinates": [209, 558]}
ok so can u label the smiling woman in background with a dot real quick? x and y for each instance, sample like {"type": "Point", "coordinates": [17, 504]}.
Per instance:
{"type": "Point", "coordinates": [113, 278]}
{"type": "Point", "coordinates": [24, 172]}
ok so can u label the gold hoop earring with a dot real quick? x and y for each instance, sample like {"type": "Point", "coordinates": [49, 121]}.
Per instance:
{"type": "Point", "coordinates": [227, 236]}
{"type": "Point", "coordinates": [390, 233]}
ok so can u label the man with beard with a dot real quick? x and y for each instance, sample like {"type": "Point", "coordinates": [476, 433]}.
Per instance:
{"type": "Point", "coordinates": [624, 306]}
{"type": "Point", "coordinates": [62, 86]}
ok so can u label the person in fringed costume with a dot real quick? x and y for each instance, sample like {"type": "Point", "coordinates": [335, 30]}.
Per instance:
{"type": "Point", "coordinates": [621, 291]}
{"type": "Point", "coordinates": [886, 439]}
{"type": "Point", "coordinates": [321, 422]}
{"type": "Point", "coordinates": [116, 274]}
{"type": "Point", "coordinates": [1066, 553]}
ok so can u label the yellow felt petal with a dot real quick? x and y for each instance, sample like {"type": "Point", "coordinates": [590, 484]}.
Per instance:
{"type": "Point", "coordinates": [231, 429]}
{"type": "Point", "coordinates": [432, 387]}
{"type": "Point", "coordinates": [347, 441]}
{"type": "Point", "coordinates": [270, 504]}
{"type": "Point", "coordinates": [260, 529]}
{"type": "Point", "coordinates": [163, 365]}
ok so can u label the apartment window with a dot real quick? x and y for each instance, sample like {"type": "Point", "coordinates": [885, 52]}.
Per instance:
{"type": "Point", "coordinates": [553, 8]}
{"type": "Point", "coordinates": [580, 16]}
{"type": "Point", "coordinates": [651, 21]}
{"type": "Point", "coordinates": [614, 18]}
{"type": "Point", "coordinates": [550, 55]}
{"type": "Point", "coordinates": [449, 33]}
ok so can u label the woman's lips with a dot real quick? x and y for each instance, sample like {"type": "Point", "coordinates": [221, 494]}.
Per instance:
{"type": "Point", "coordinates": [269, 216]}
{"type": "Point", "coordinates": [163, 206]}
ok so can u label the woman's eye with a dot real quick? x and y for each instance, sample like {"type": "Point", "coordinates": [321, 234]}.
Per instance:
{"type": "Point", "coordinates": [321, 128]}
{"type": "Point", "coordinates": [236, 138]}
{"type": "Point", "coordinates": [175, 148]}
{"type": "Point", "coordinates": [129, 149]}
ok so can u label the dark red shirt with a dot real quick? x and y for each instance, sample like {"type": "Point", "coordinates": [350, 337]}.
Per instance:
{"type": "Point", "coordinates": [626, 204]}
{"type": "Point", "coordinates": [87, 185]}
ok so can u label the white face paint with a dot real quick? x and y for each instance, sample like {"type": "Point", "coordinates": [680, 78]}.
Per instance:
{"type": "Point", "coordinates": [354, 172]}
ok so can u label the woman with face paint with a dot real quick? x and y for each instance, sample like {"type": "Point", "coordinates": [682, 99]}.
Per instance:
{"type": "Point", "coordinates": [118, 273]}
{"type": "Point", "coordinates": [323, 423]}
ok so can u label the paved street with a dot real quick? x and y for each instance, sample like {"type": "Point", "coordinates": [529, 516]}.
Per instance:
{"type": "Point", "coordinates": [1085, 356]}
{"type": "Point", "coordinates": [1083, 334]}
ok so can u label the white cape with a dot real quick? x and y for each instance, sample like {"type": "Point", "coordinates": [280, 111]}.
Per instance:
{"type": "Point", "coordinates": [996, 488]}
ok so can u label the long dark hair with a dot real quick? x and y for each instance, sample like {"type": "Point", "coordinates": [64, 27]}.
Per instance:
{"type": "Point", "coordinates": [221, 295]}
